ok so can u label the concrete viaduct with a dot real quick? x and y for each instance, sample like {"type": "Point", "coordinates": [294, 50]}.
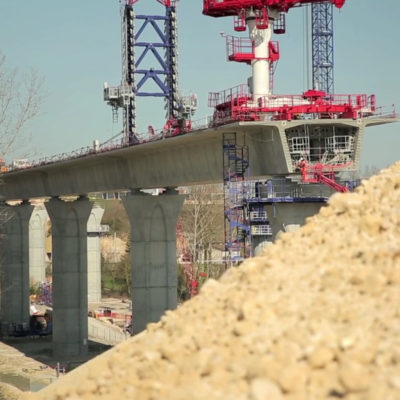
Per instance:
{"type": "Point", "coordinates": [193, 158]}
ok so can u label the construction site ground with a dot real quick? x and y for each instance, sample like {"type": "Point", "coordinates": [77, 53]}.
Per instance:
{"type": "Point", "coordinates": [28, 362]}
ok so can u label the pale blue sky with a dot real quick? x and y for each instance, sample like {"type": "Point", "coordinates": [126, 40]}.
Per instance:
{"type": "Point", "coordinates": [75, 45]}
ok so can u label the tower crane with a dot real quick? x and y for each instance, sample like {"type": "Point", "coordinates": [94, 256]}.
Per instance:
{"type": "Point", "coordinates": [322, 47]}
{"type": "Point", "coordinates": [255, 101]}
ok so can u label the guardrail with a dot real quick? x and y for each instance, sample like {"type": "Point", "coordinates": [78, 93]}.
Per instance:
{"type": "Point", "coordinates": [154, 135]}
{"type": "Point", "coordinates": [161, 134]}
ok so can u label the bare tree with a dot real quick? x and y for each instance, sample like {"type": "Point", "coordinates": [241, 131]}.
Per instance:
{"type": "Point", "coordinates": [201, 227]}
{"type": "Point", "coordinates": [21, 97]}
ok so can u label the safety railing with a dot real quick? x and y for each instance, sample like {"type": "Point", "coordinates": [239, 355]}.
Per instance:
{"type": "Point", "coordinates": [228, 95]}
{"type": "Point", "coordinates": [240, 95]}
{"type": "Point", "coordinates": [256, 216]}
{"type": "Point", "coordinates": [239, 49]}
{"type": "Point", "coordinates": [149, 136]}
{"type": "Point", "coordinates": [282, 189]}
{"type": "Point", "coordinates": [385, 112]}
{"type": "Point", "coordinates": [99, 229]}
{"type": "Point", "coordinates": [261, 230]}
{"type": "Point", "coordinates": [289, 100]}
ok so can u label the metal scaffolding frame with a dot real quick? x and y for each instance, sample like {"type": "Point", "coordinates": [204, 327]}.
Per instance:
{"type": "Point", "coordinates": [235, 174]}
{"type": "Point", "coordinates": [322, 47]}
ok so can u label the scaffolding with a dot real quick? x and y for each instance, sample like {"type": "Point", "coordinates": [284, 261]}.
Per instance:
{"type": "Point", "coordinates": [237, 227]}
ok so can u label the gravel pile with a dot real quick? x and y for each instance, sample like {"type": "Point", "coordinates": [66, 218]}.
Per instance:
{"type": "Point", "coordinates": [316, 317]}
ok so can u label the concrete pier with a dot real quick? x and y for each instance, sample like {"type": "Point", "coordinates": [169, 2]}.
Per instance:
{"type": "Point", "coordinates": [153, 250]}
{"type": "Point", "coordinates": [37, 244]}
{"type": "Point", "coordinates": [70, 287]}
{"type": "Point", "coordinates": [283, 217]}
{"type": "Point", "coordinates": [94, 254]}
{"type": "Point", "coordinates": [15, 263]}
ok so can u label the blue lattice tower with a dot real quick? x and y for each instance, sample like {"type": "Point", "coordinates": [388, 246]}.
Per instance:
{"type": "Point", "coordinates": [322, 47]}
{"type": "Point", "coordinates": [136, 71]}
{"type": "Point", "coordinates": [165, 74]}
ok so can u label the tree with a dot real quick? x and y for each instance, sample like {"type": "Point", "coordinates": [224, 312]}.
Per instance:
{"type": "Point", "coordinates": [201, 223]}
{"type": "Point", "coordinates": [21, 98]}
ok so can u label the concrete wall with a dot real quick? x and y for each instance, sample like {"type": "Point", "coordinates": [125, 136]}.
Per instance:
{"type": "Point", "coordinates": [284, 217]}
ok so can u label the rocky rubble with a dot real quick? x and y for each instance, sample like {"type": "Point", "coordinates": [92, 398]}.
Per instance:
{"type": "Point", "coordinates": [316, 317]}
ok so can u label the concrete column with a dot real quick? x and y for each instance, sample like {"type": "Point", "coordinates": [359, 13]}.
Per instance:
{"type": "Point", "coordinates": [37, 244]}
{"type": "Point", "coordinates": [15, 263]}
{"type": "Point", "coordinates": [153, 250]}
{"type": "Point", "coordinates": [94, 255]}
{"type": "Point", "coordinates": [284, 217]}
{"type": "Point", "coordinates": [70, 288]}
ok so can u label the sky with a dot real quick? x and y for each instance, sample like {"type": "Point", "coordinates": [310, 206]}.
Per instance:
{"type": "Point", "coordinates": [75, 46]}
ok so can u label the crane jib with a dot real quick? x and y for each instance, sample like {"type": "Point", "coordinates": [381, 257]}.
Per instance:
{"type": "Point", "coordinates": [221, 8]}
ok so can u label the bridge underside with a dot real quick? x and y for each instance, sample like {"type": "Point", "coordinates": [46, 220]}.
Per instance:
{"type": "Point", "coordinates": [193, 158]}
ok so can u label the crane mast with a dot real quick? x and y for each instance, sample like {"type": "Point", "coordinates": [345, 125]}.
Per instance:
{"type": "Point", "coordinates": [128, 72]}
{"type": "Point", "coordinates": [322, 47]}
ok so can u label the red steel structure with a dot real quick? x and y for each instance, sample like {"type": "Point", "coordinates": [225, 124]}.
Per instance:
{"type": "Point", "coordinates": [241, 103]}
{"type": "Point", "coordinates": [255, 101]}
{"type": "Point", "coordinates": [320, 173]}
{"type": "Point", "coordinates": [236, 104]}
{"type": "Point", "coordinates": [224, 8]}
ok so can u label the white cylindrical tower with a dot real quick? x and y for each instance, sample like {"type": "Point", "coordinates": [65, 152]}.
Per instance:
{"type": "Point", "coordinates": [261, 64]}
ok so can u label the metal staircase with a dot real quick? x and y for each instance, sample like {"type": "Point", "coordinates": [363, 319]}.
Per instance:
{"type": "Point", "coordinates": [235, 173]}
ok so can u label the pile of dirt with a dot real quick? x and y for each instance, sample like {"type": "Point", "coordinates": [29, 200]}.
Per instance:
{"type": "Point", "coordinates": [9, 392]}
{"type": "Point", "coordinates": [316, 317]}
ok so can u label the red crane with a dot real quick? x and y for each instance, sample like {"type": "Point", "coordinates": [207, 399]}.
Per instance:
{"type": "Point", "coordinates": [224, 8]}
{"type": "Point", "coordinates": [256, 100]}
{"type": "Point", "coordinates": [320, 173]}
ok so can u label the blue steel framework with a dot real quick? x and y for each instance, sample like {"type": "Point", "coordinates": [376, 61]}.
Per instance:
{"type": "Point", "coordinates": [165, 74]}
{"type": "Point", "coordinates": [322, 47]}
{"type": "Point", "coordinates": [136, 71]}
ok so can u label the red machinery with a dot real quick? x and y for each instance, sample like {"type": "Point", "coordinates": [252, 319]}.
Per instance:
{"type": "Point", "coordinates": [224, 8]}
{"type": "Point", "coordinates": [262, 8]}
{"type": "Point", "coordinates": [236, 104]}
{"type": "Point", "coordinates": [257, 102]}
{"type": "Point", "coordinates": [320, 173]}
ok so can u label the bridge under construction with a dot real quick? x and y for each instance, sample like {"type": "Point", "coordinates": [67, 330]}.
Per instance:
{"type": "Point", "coordinates": [254, 138]}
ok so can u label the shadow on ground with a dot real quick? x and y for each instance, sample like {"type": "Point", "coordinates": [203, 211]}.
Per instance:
{"type": "Point", "coordinates": [40, 349]}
